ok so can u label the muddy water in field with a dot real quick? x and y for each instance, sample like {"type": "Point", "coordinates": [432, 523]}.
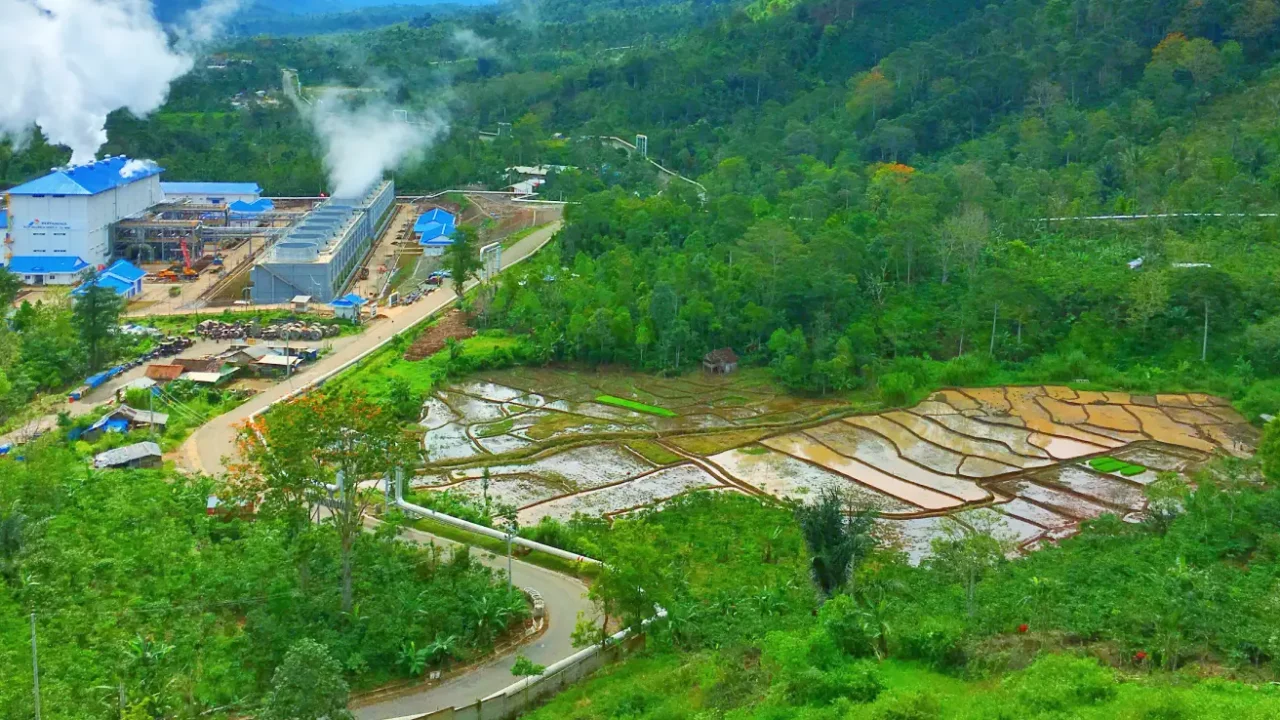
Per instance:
{"type": "Point", "coordinates": [1036, 514]}
{"type": "Point", "coordinates": [1161, 427]}
{"type": "Point", "coordinates": [1058, 392]}
{"type": "Point", "coordinates": [1060, 502]}
{"type": "Point", "coordinates": [490, 391]}
{"type": "Point", "coordinates": [1090, 397]}
{"type": "Point", "coordinates": [931, 407]}
{"type": "Point", "coordinates": [1154, 459]}
{"type": "Point", "coordinates": [911, 446]}
{"type": "Point", "coordinates": [1005, 528]}
{"type": "Point", "coordinates": [943, 436]}
{"type": "Point", "coordinates": [437, 414]}
{"type": "Point", "coordinates": [515, 491]}
{"type": "Point", "coordinates": [784, 476]}
{"type": "Point", "coordinates": [976, 467]}
{"type": "Point", "coordinates": [1065, 448]}
{"type": "Point", "coordinates": [1011, 437]}
{"type": "Point", "coordinates": [1025, 406]}
{"type": "Point", "coordinates": [647, 490]}
{"type": "Point", "coordinates": [1108, 489]}
{"type": "Point", "coordinates": [990, 400]}
{"type": "Point", "coordinates": [1112, 417]}
{"type": "Point", "coordinates": [876, 451]}
{"type": "Point", "coordinates": [1189, 416]}
{"type": "Point", "coordinates": [1179, 401]}
{"type": "Point", "coordinates": [449, 442]}
{"type": "Point", "coordinates": [473, 410]}
{"type": "Point", "coordinates": [1062, 412]}
{"type": "Point", "coordinates": [805, 448]}
{"type": "Point", "coordinates": [915, 536]}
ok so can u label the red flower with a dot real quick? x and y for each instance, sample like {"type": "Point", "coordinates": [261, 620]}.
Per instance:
{"type": "Point", "coordinates": [1140, 655]}
{"type": "Point", "coordinates": [1022, 628]}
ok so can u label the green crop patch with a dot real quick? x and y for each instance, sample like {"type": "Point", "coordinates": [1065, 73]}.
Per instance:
{"type": "Point", "coordinates": [1131, 470]}
{"type": "Point", "coordinates": [633, 405]}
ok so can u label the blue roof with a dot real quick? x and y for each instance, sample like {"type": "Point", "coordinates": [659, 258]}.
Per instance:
{"type": "Point", "coordinates": [121, 287]}
{"type": "Point", "coordinates": [261, 205]}
{"type": "Point", "coordinates": [349, 300]}
{"type": "Point", "coordinates": [4, 219]}
{"type": "Point", "coordinates": [126, 271]}
{"type": "Point", "coordinates": [435, 217]}
{"type": "Point", "coordinates": [33, 264]}
{"type": "Point", "coordinates": [210, 188]}
{"type": "Point", "coordinates": [89, 179]}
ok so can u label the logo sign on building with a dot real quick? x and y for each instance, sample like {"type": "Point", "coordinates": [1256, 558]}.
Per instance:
{"type": "Point", "coordinates": [38, 224]}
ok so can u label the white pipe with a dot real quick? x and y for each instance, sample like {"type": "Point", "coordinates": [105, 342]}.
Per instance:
{"type": "Point", "coordinates": [490, 532]}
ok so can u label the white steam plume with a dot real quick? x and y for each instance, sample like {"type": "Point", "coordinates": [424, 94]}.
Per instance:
{"type": "Point", "coordinates": [361, 143]}
{"type": "Point", "coordinates": [135, 167]}
{"type": "Point", "coordinates": [66, 64]}
{"type": "Point", "coordinates": [472, 43]}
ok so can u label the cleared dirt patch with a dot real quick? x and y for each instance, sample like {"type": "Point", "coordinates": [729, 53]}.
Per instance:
{"type": "Point", "coordinates": [433, 339]}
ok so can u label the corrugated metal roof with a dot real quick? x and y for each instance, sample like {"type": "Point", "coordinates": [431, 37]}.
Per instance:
{"type": "Point", "coordinates": [120, 287]}
{"type": "Point", "coordinates": [349, 300]}
{"type": "Point", "coordinates": [36, 264]}
{"type": "Point", "coordinates": [165, 372]}
{"type": "Point", "coordinates": [435, 217]}
{"type": "Point", "coordinates": [4, 219]}
{"type": "Point", "coordinates": [210, 188]}
{"type": "Point", "coordinates": [89, 179]}
{"type": "Point", "coordinates": [126, 271]}
{"type": "Point", "coordinates": [126, 454]}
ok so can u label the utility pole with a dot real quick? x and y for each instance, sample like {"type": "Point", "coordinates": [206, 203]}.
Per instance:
{"type": "Point", "coordinates": [995, 315]}
{"type": "Point", "coordinates": [35, 666]}
{"type": "Point", "coordinates": [1204, 345]}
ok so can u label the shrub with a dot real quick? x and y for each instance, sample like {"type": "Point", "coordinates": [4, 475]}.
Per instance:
{"type": "Point", "coordinates": [843, 622]}
{"type": "Point", "coordinates": [938, 641]}
{"type": "Point", "coordinates": [1056, 683]}
{"type": "Point", "coordinates": [966, 370]}
{"type": "Point", "coordinates": [896, 388]}
{"type": "Point", "coordinates": [1261, 397]}
{"type": "Point", "coordinates": [910, 706]}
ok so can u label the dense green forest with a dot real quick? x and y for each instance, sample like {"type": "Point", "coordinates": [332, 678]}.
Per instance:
{"type": "Point", "coordinates": [1123, 621]}
{"type": "Point", "coordinates": [889, 200]}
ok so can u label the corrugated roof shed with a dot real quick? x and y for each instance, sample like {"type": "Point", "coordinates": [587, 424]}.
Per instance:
{"type": "Point", "coordinates": [127, 454]}
{"type": "Point", "coordinates": [91, 178]}
{"type": "Point", "coordinates": [163, 373]}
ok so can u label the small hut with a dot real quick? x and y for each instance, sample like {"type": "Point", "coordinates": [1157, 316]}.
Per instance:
{"type": "Point", "coordinates": [720, 362]}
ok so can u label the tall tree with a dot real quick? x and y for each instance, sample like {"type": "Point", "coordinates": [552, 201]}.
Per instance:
{"type": "Point", "coordinates": [462, 258]}
{"type": "Point", "coordinates": [839, 538]}
{"type": "Point", "coordinates": [97, 317]}
{"type": "Point", "coordinates": [308, 685]}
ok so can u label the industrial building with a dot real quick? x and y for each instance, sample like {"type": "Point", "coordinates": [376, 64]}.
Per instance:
{"type": "Point", "coordinates": [435, 231]}
{"type": "Point", "coordinates": [62, 223]}
{"type": "Point", "coordinates": [211, 193]}
{"type": "Point", "coordinates": [319, 255]}
{"type": "Point", "coordinates": [122, 277]}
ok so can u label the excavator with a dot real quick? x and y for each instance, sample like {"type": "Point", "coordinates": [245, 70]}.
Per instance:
{"type": "Point", "coordinates": [187, 273]}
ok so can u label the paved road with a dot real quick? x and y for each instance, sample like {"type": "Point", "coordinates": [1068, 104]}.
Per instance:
{"type": "Point", "coordinates": [564, 597]}
{"type": "Point", "coordinates": [213, 442]}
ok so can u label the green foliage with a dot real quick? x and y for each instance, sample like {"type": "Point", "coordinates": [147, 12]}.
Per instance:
{"type": "Point", "coordinates": [838, 537]}
{"type": "Point", "coordinates": [1061, 683]}
{"type": "Point", "coordinates": [308, 685]}
{"type": "Point", "coordinates": [524, 667]}
{"type": "Point", "coordinates": [633, 405]}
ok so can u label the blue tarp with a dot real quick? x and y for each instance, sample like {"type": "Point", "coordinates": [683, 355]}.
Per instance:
{"type": "Point", "coordinates": [349, 300]}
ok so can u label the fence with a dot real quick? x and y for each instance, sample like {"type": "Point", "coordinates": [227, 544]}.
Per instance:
{"type": "Point", "coordinates": [528, 693]}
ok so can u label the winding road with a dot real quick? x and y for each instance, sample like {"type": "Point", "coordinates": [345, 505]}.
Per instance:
{"type": "Point", "coordinates": [212, 447]}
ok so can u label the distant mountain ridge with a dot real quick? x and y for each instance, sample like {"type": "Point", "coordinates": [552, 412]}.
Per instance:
{"type": "Point", "coordinates": [304, 17]}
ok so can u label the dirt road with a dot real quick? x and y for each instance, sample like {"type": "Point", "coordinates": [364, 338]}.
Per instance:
{"type": "Point", "coordinates": [206, 449]}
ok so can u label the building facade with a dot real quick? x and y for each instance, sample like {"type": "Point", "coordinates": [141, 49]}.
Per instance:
{"type": "Point", "coordinates": [320, 254]}
{"type": "Point", "coordinates": [211, 193]}
{"type": "Point", "coordinates": [68, 215]}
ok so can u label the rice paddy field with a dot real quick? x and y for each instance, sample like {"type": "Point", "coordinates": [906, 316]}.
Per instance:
{"type": "Point", "coordinates": [1026, 463]}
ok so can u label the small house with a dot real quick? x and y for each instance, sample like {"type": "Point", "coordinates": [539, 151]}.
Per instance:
{"type": "Point", "coordinates": [212, 378]}
{"type": "Point", "coordinates": [720, 362]}
{"type": "Point", "coordinates": [123, 277]}
{"type": "Point", "coordinates": [301, 303]}
{"type": "Point", "coordinates": [165, 373]}
{"type": "Point", "coordinates": [138, 455]}
{"type": "Point", "coordinates": [435, 231]}
{"type": "Point", "coordinates": [123, 419]}
{"type": "Point", "coordinates": [308, 354]}
{"type": "Point", "coordinates": [348, 307]}
{"type": "Point", "coordinates": [275, 365]}
{"type": "Point", "coordinates": [206, 364]}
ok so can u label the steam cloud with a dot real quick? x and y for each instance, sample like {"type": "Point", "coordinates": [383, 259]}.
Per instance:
{"type": "Point", "coordinates": [361, 143]}
{"type": "Point", "coordinates": [67, 64]}
{"type": "Point", "coordinates": [468, 41]}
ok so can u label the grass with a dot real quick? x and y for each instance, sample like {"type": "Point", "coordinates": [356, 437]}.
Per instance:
{"type": "Point", "coordinates": [519, 235]}
{"type": "Point", "coordinates": [498, 547]}
{"type": "Point", "coordinates": [717, 442]}
{"type": "Point", "coordinates": [502, 427]}
{"type": "Point", "coordinates": [633, 405]}
{"type": "Point", "coordinates": [654, 453]}
{"type": "Point", "coordinates": [1111, 465]}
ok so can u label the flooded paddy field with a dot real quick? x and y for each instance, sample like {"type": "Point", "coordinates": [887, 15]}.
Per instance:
{"type": "Point", "coordinates": [1013, 461]}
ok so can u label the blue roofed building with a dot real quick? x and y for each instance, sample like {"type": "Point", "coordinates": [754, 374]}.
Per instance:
{"type": "Point", "coordinates": [62, 223]}
{"type": "Point", "coordinates": [123, 277]}
{"type": "Point", "coordinates": [435, 231]}
{"type": "Point", "coordinates": [348, 306]}
{"type": "Point", "coordinates": [211, 193]}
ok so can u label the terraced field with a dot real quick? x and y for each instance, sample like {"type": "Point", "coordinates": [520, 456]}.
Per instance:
{"type": "Point", "coordinates": [1010, 460]}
